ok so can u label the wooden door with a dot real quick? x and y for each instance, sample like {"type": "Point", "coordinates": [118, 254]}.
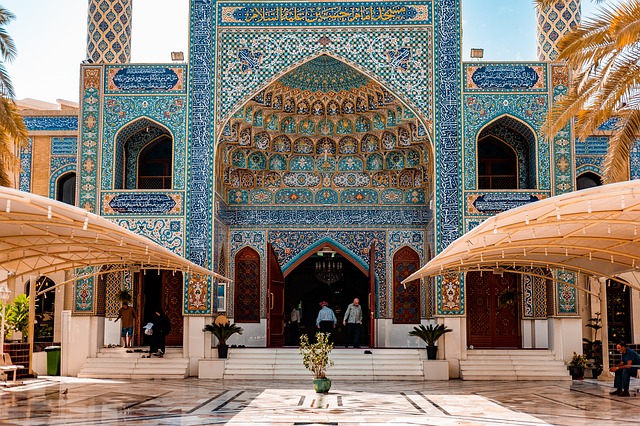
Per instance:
{"type": "Point", "coordinates": [490, 324]}
{"type": "Point", "coordinates": [275, 301]}
{"type": "Point", "coordinates": [172, 305]}
{"type": "Point", "coordinates": [372, 294]}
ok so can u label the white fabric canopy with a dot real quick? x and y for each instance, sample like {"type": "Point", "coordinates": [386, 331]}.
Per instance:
{"type": "Point", "coordinates": [39, 236]}
{"type": "Point", "coordinates": [595, 231]}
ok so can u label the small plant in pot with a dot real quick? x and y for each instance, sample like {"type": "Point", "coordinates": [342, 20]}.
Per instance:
{"type": "Point", "coordinates": [430, 334]}
{"type": "Point", "coordinates": [593, 348]}
{"type": "Point", "coordinates": [577, 364]}
{"type": "Point", "coordinates": [124, 296]}
{"type": "Point", "coordinates": [222, 331]}
{"type": "Point", "coordinates": [315, 357]}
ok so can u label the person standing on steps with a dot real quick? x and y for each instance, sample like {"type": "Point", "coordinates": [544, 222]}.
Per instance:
{"type": "Point", "coordinates": [127, 315]}
{"type": "Point", "coordinates": [161, 327]}
{"type": "Point", "coordinates": [326, 320]}
{"type": "Point", "coordinates": [353, 321]}
{"type": "Point", "coordinates": [294, 321]}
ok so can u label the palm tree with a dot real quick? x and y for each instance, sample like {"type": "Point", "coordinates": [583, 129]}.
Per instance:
{"type": "Point", "coordinates": [603, 54]}
{"type": "Point", "coordinates": [12, 128]}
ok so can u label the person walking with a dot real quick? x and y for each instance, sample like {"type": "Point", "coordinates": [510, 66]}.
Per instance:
{"type": "Point", "coordinates": [127, 315]}
{"type": "Point", "coordinates": [294, 322]}
{"type": "Point", "coordinates": [627, 368]}
{"type": "Point", "coordinates": [353, 321]}
{"type": "Point", "coordinates": [326, 320]}
{"type": "Point", "coordinates": [161, 327]}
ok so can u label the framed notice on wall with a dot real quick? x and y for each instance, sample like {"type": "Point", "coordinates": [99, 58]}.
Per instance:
{"type": "Point", "coordinates": [222, 297]}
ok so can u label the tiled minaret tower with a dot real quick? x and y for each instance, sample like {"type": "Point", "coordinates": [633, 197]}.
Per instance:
{"type": "Point", "coordinates": [553, 23]}
{"type": "Point", "coordinates": [109, 31]}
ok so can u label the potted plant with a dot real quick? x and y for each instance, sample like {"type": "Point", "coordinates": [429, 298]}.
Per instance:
{"type": "Point", "coordinates": [18, 315]}
{"type": "Point", "coordinates": [593, 348]}
{"type": "Point", "coordinates": [577, 364]}
{"type": "Point", "coordinates": [223, 331]}
{"type": "Point", "coordinates": [507, 298]}
{"type": "Point", "coordinates": [124, 296]}
{"type": "Point", "coordinates": [315, 357]}
{"type": "Point", "coordinates": [430, 334]}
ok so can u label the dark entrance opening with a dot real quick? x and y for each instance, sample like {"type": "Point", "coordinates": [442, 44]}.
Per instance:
{"type": "Point", "coordinates": [306, 286]}
{"type": "Point", "coordinates": [159, 290]}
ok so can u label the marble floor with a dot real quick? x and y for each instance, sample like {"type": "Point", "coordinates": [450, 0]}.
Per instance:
{"type": "Point", "coordinates": [73, 401]}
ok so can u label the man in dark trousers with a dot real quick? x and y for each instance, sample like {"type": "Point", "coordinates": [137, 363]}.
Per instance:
{"type": "Point", "coordinates": [627, 368]}
{"type": "Point", "coordinates": [353, 321]}
{"type": "Point", "coordinates": [161, 327]}
{"type": "Point", "coordinates": [326, 320]}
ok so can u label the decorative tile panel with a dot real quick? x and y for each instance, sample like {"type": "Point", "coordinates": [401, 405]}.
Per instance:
{"type": "Point", "coordinates": [51, 123]}
{"type": "Point", "coordinates": [481, 110]}
{"type": "Point", "coordinates": [496, 77]}
{"type": "Point", "coordinates": [166, 232]}
{"type": "Point", "coordinates": [398, 58]}
{"type": "Point", "coordinates": [563, 154]}
{"type": "Point", "coordinates": [325, 14]}
{"type": "Point", "coordinates": [145, 79]}
{"type": "Point", "coordinates": [89, 137]}
{"type": "Point", "coordinates": [109, 31]}
{"type": "Point", "coordinates": [554, 22]}
{"type": "Point", "coordinates": [122, 111]}
{"type": "Point", "coordinates": [26, 154]}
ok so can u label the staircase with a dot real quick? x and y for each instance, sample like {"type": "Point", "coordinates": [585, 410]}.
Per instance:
{"type": "Point", "coordinates": [117, 363]}
{"type": "Point", "coordinates": [512, 365]}
{"type": "Point", "coordinates": [285, 363]}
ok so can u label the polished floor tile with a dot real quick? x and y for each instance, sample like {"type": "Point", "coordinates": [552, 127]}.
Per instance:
{"type": "Point", "coordinates": [72, 401]}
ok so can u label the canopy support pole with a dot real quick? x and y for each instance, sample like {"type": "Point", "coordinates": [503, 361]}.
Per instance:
{"type": "Point", "coordinates": [32, 319]}
{"type": "Point", "coordinates": [604, 315]}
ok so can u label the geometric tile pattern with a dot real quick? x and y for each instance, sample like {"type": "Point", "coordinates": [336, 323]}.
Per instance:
{"type": "Point", "coordinates": [566, 294]}
{"type": "Point", "coordinates": [397, 240]}
{"type": "Point", "coordinates": [90, 118]}
{"type": "Point", "coordinates": [400, 59]}
{"type": "Point", "coordinates": [239, 239]}
{"type": "Point", "coordinates": [109, 31]}
{"type": "Point", "coordinates": [169, 233]}
{"type": "Point", "coordinates": [534, 295]}
{"type": "Point", "coordinates": [554, 22]}
{"type": "Point", "coordinates": [563, 163]}
{"type": "Point", "coordinates": [63, 160]}
{"type": "Point", "coordinates": [247, 286]}
{"type": "Point", "coordinates": [480, 110]}
{"type": "Point", "coordinates": [406, 298]}
{"type": "Point", "coordinates": [25, 166]}
{"type": "Point", "coordinates": [114, 281]}
{"type": "Point", "coordinates": [167, 114]}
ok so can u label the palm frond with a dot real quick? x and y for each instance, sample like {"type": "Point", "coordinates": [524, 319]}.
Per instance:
{"type": "Point", "coordinates": [616, 165]}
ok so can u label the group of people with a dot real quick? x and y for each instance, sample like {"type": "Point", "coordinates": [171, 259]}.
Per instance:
{"type": "Point", "coordinates": [326, 321]}
{"type": "Point", "coordinates": [157, 328]}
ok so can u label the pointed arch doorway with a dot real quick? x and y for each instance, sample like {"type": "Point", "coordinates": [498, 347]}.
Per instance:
{"type": "Point", "coordinates": [324, 274]}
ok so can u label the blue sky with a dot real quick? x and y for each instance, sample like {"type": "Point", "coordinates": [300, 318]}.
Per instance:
{"type": "Point", "coordinates": [51, 37]}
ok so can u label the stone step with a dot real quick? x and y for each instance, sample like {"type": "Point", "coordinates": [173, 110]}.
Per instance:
{"type": "Point", "coordinates": [126, 366]}
{"type": "Point", "coordinates": [286, 363]}
{"type": "Point", "coordinates": [512, 365]}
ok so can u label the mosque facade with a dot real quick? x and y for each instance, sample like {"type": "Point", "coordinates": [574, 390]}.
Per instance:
{"type": "Point", "coordinates": [319, 151]}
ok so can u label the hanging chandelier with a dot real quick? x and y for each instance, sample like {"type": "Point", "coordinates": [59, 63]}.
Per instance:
{"type": "Point", "coordinates": [329, 271]}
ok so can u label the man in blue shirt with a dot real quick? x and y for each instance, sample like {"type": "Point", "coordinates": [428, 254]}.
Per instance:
{"type": "Point", "coordinates": [627, 368]}
{"type": "Point", "coordinates": [326, 320]}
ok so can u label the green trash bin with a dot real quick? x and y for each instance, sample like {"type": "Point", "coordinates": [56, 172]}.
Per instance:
{"type": "Point", "coordinates": [53, 360]}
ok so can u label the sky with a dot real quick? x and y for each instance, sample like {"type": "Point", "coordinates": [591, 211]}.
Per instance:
{"type": "Point", "coordinates": [50, 36]}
